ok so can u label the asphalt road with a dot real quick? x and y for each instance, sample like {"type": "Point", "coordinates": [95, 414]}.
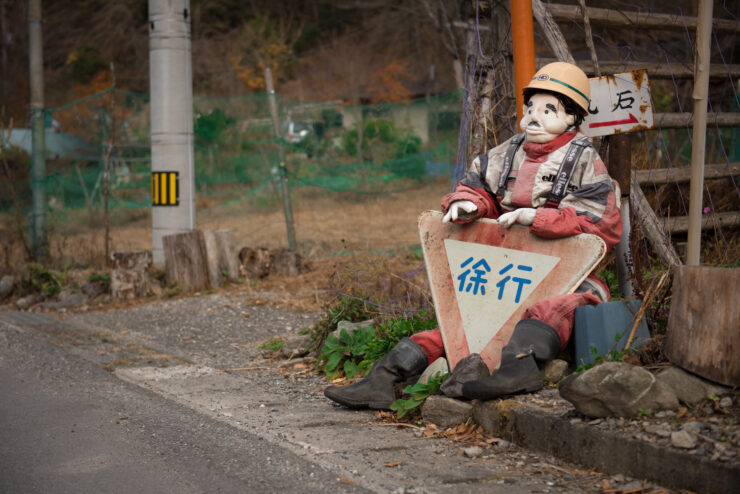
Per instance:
{"type": "Point", "coordinates": [68, 425]}
{"type": "Point", "coordinates": [174, 397]}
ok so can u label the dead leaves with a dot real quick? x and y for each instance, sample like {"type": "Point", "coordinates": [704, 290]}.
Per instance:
{"type": "Point", "coordinates": [632, 490]}
{"type": "Point", "coordinates": [469, 432]}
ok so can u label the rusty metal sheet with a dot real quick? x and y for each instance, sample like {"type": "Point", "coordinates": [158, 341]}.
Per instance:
{"type": "Point", "coordinates": [483, 277]}
{"type": "Point", "coordinates": [619, 103]}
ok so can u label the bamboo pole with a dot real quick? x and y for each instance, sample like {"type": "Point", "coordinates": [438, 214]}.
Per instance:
{"type": "Point", "coordinates": [656, 70]}
{"type": "Point", "coordinates": [589, 37]}
{"type": "Point", "coordinates": [287, 206]}
{"type": "Point", "coordinates": [645, 19]}
{"type": "Point", "coordinates": [699, 134]}
{"type": "Point", "coordinates": [522, 38]}
{"type": "Point", "coordinates": [683, 120]}
{"type": "Point", "coordinates": [683, 173]}
{"type": "Point", "coordinates": [554, 35]}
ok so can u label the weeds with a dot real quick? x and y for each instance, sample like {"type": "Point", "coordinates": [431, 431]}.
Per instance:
{"type": "Point", "coordinates": [273, 345]}
{"type": "Point", "coordinates": [418, 393]}
{"type": "Point", "coordinates": [355, 353]}
{"type": "Point", "coordinates": [39, 279]}
{"type": "Point", "coordinates": [102, 279]}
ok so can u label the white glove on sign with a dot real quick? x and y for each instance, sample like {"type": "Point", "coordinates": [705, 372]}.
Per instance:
{"type": "Point", "coordinates": [523, 216]}
{"type": "Point", "coordinates": [457, 208]}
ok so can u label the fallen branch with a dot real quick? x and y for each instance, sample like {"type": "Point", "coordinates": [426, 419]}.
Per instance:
{"type": "Point", "coordinates": [244, 368]}
{"type": "Point", "coordinates": [652, 292]}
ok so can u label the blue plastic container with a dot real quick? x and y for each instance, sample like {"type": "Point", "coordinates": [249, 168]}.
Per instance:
{"type": "Point", "coordinates": [606, 327]}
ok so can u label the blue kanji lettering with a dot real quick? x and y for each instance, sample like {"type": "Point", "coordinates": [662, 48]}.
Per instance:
{"type": "Point", "coordinates": [477, 281]}
{"type": "Point", "coordinates": [520, 281]}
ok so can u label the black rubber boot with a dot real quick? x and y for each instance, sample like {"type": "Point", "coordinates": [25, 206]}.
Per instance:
{"type": "Point", "coordinates": [377, 388]}
{"type": "Point", "coordinates": [518, 372]}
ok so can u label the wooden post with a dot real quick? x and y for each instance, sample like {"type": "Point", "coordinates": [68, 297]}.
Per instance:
{"type": "Point", "coordinates": [522, 37]}
{"type": "Point", "coordinates": [287, 206]}
{"type": "Point", "coordinates": [702, 334]}
{"type": "Point", "coordinates": [699, 133]}
{"type": "Point", "coordinates": [185, 260]}
{"type": "Point", "coordinates": [620, 163]}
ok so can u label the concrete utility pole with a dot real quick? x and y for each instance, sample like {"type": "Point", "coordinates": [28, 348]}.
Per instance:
{"type": "Point", "coordinates": [171, 90]}
{"type": "Point", "coordinates": [37, 225]}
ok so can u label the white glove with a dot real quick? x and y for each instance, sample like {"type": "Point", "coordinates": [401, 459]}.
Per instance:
{"type": "Point", "coordinates": [458, 207]}
{"type": "Point", "coordinates": [523, 216]}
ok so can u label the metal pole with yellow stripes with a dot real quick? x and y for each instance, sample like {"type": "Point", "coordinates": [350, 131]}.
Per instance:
{"type": "Point", "coordinates": [171, 89]}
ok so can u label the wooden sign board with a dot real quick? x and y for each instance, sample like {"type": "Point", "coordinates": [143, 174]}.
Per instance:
{"type": "Point", "coordinates": [619, 103]}
{"type": "Point", "coordinates": [484, 277]}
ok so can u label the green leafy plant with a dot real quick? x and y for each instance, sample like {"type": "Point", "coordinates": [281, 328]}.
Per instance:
{"type": "Point", "coordinates": [102, 279]}
{"type": "Point", "coordinates": [611, 356]}
{"type": "Point", "coordinates": [417, 394]}
{"type": "Point", "coordinates": [38, 278]}
{"type": "Point", "coordinates": [643, 412]}
{"type": "Point", "coordinates": [346, 353]}
{"type": "Point", "coordinates": [355, 354]}
{"type": "Point", "coordinates": [612, 282]}
{"type": "Point", "coordinates": [272, 345]}
{"type": "Point", "coordinates": [345, 308]}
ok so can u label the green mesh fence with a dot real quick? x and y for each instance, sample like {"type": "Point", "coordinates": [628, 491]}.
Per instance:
{"type": "Point", "coordinates": [329, 146]}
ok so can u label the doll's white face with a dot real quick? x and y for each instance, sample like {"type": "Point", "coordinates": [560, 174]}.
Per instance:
{"type": "Point", "coordinates": [544, 118]}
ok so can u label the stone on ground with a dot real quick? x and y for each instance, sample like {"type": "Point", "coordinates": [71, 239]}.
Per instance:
{"type": "Point", "coordinates": [688, 388]}
{"type": "Point", "coordinates": [295, 346]}
{"type": "Point", "coordinates": [473, 451]}
{"type": "Point", "coordinates": [554, 370]}
{"type": "Point", "coordinates": [351, 327]}
{"type": "Point", "coordinates": [683, 439]}
{"type": "Point", "coordinates": [445, 412]}
{"type": "Point", "coordinates": [617, 389]}
{"type": "Point", "coordinates": [7, 283]}
{"type": "Point", "coordinates": [24, 303]}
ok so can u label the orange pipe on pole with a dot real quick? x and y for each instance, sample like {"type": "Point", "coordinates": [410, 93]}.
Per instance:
{"type": "Point", "coordinates": [522, 37]}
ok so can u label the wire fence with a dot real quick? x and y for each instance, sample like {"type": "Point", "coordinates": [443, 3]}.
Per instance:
{"type": "Point", "coordinates": [358, 151]}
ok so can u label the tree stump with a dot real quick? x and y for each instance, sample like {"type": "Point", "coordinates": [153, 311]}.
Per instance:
{"type": "Point", "coordinates": [256, 261]}
{"type": "Point", "coordinates": [287, 262]}
{"type": "Point", "coordinates": [703, 334]}
{"type": "Point", "coordinates": [221, 256]}
{"type": "Point", "coordinates": [260, 262]}
{"type": "Point", "coordinates": [185, 260]}
{"type": "Point", "coordinates": [128, 275]}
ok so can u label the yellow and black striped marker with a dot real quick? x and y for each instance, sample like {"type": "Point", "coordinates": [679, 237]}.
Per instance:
{"type": "Point", "coordinates": [165, 189]}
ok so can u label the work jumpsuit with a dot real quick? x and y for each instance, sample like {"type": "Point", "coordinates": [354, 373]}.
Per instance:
{"type": "Point", "coordinates": [591, 205]}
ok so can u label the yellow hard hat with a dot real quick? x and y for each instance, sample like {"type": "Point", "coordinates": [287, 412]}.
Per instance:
{"type": "Point", "coordinates": [562, 78]}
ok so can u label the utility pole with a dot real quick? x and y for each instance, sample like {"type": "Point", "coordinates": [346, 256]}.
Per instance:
{"type": "Point", "coordinates": [37, 225]}
{"type": "Point", "coordinates": [171, 90]}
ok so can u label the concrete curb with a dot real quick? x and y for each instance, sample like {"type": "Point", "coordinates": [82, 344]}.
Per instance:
{"type": "Point", "coordinates": [607, 451]}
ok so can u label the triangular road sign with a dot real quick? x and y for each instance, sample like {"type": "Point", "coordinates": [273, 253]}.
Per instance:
{"type": "Point", "coordinates": [484, 277]}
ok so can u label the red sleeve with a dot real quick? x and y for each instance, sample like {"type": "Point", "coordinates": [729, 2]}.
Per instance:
{"type": "Point", "coordinates": [487, 205]}
{"type": "Point", "coordinates": [558, 223]}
